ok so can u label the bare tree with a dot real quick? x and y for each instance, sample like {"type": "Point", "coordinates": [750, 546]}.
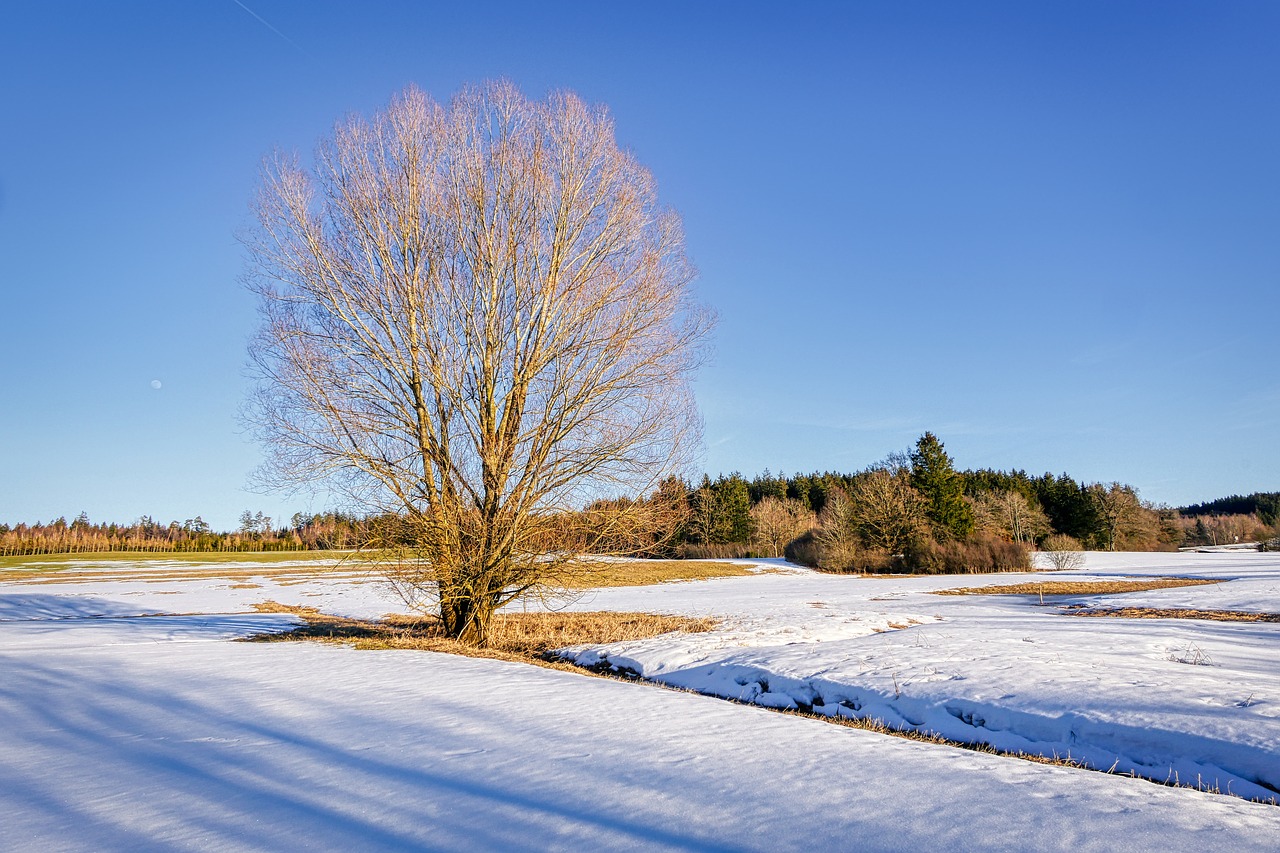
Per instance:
{"type": "Point", "coordinates": [888, 512]}
{"type": "Point", "coordinates": [707, 517]}
{"type": "Point", "coordinates": [837, 536]}
{"type": "Point", "coordinates": [475, 318]}
{"type": "Point", "coordinates": [1010, 514]}
{"type": "Point", "coordinates": [1122, 515]}
{"type": "Point", "coordinates": [776, 521]}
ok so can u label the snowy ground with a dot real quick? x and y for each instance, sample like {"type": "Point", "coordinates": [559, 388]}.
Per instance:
{"type": "Point", "coordinates": [1188, 700]}
{"type": "Point", "coordinates": [125, 731]}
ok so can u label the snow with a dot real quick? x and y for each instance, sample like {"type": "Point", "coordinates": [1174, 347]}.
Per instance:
{"type": "Point", "coordinates": [125, 731]}
{"type": "Point", "coordinates": [1186, 700]}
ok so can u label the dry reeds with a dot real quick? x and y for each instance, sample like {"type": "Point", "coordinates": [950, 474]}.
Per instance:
{"type": "Point", "coordinates": [1075, 587]}
{"type": "Point", "coordinates": [1180, 613]}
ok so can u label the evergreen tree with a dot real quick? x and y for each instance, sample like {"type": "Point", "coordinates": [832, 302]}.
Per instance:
{"type": "Point", "coordinates": [1070, 508]}
{"type": "Point", "coordinates": [735, 504]}
{"type": "Point", "coordinates": [934, 477]}
{"type": "Point", "coordinates": [798, 488]}
{"type": "Point", "coordinates": [766, 485]}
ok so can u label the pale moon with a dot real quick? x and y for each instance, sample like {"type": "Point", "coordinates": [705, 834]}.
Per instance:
{"type": "Point", "coordinates": [155, 383]}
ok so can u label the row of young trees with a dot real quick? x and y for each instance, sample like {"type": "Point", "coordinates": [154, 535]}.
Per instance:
{"type": "Point", "coordinates": [320, 531]}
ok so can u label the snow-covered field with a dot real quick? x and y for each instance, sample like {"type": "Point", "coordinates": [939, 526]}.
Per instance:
{"type": "Point", "coordinates": [125, 730]}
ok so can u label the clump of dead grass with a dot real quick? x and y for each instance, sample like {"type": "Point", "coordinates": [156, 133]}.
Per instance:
{"type": "Point", "coordinates": [1075, 587]}
{"type": "Point", "coordinates": [1178, 613]}
{"type": "Point", "coordinates": [528, 637]}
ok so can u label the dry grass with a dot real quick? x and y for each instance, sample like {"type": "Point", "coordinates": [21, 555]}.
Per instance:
{"type": "Point", "coordinates": [644, 572]}
{"type": "Point", "coordinates": [1179, 613]}
{"type": "Point", "coordinates": [513, 636]}
{"type": "Point", "coordinates": [169, 574]}
{"type": "Point", "coordinates": [152, 568]}
{"type": "Point", "coordinates": [54, 562]}
{"type": "Point", "coordinates": [1075, 587]}
{"type": "Point", "coordinates": [159, 568]}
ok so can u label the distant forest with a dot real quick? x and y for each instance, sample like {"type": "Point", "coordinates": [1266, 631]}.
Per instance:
{"type": "Point", "coordinates": [911, 512]}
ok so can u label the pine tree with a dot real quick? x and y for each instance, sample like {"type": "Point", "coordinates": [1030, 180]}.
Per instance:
{"type": "Point", "coordinates": [936, 480]}
{"type": "Point", "coordinates": [735, 503]}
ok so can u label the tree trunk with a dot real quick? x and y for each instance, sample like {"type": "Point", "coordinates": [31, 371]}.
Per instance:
{"type": "Point", "coordinates": [466, 617]}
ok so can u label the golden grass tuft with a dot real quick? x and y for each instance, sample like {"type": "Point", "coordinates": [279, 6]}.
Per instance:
{"type": "Point", "coordinates": [1075, 587]}
{"type": "Point", "coordinates": [513, 636]}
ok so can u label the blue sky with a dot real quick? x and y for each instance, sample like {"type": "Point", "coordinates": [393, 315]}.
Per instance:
{"type": "Point", "coordinates": [1045, 231]}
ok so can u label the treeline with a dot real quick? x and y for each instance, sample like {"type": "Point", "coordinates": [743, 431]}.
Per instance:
{"type": "Point", "coordinates": [915, 512]}
{"type": "Point", "coordinates": [911, 512]}
{"type": "Point", "coordinates": [1265, 505]}
{"type": "Point", "coordinates": [257, 532]}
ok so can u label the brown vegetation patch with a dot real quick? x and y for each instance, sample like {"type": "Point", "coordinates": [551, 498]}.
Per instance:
{"type": "Point", "coordinates": [1179, 613]}
{"type": "Point", "coordinates": [512, 636]}
{"type": "Point", "coordinates": [588, 575]}
{"type": "Point", "coordinates": [1075, 587]}
{"type": "Point", "coordinates": [644, 572]}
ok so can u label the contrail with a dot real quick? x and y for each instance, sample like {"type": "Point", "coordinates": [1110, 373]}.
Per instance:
{"type": "Point", "coordinates": [267, 24]}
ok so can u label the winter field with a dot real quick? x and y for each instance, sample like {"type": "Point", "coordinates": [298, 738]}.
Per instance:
{"type": "Point", "coordinates": [131, 721]}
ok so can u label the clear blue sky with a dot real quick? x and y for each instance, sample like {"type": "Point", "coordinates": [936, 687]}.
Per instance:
{"type": "Point", "coordinates": [1049, 232]}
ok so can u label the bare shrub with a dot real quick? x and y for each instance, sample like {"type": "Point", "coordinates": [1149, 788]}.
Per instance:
{"type": "Point", "coordinates": [803, 550]}
{"type": "Point", "coordinates": [1063, 551]}
{"type": "Point", "coordinates": [1009, 513]}
{"type": "Point", "coordinates": [978, 554]}
{"type": "Point", "coordinates": [714, 551]}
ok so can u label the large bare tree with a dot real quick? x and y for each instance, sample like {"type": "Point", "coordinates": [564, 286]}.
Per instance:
{"type": "Point", "coordinates": [476, 316]}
